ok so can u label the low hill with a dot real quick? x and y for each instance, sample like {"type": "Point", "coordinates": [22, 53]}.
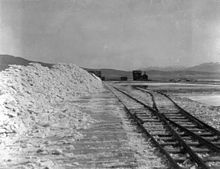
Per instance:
{"type": "Point", "coordinates": [6, 60]}
{"type": "Point", "coordinates": [113, 74]}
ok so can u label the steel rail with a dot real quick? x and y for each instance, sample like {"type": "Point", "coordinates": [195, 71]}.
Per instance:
{"type": "Point", "coordinates": [201, 139]}
{"type": "Point", "coordinates": [212, 129]}
{"type": "Point", "coordinates": [194, 156]}
{"type": "Point", "coordinates": [191, 117]}
{"type": "Point", "coordinates": [139, 122]}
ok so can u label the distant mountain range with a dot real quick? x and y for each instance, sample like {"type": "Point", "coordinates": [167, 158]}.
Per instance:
{"type": "Point", "coordinates": [6, 60]}
{"type": "Point", "coordinates": [205, 70]}
{"type": "Point", "coordinates": [169, 68]}
{"type": "Point", "coordinates": [202, 71]}
{"type": "Point", "coordinates": [205, 67]}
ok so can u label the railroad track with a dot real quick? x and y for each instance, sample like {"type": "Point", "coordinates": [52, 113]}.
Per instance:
{"type": "Point", "coordinates": [183, 139]}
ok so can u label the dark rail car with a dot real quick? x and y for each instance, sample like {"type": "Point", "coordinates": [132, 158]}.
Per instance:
{"type": "Point", "coordinates": [139, 75]}
{"type": "Point", "coordinates": [123, 78]}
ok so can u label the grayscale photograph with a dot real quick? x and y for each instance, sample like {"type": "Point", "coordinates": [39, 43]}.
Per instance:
{"type": "Point", "coordinates": [109, 84]}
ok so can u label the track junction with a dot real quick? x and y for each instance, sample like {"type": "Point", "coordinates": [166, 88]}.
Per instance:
{"type": "Point", "coordinates": [184, 140]}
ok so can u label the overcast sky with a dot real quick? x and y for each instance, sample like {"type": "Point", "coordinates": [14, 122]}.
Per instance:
{"type": "Point", "coordinates": [122, 34]}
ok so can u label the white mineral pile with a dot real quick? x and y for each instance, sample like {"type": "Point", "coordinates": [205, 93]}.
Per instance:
{"type": "Point", "coordinates": [37, 102]}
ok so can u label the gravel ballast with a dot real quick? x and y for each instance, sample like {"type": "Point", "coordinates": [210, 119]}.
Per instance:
{"type": "Point", "coordinates": [208, 114]}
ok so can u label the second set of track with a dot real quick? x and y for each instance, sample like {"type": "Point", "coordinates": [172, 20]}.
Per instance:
{"type": "Point", "coordinates": [185, 141]}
